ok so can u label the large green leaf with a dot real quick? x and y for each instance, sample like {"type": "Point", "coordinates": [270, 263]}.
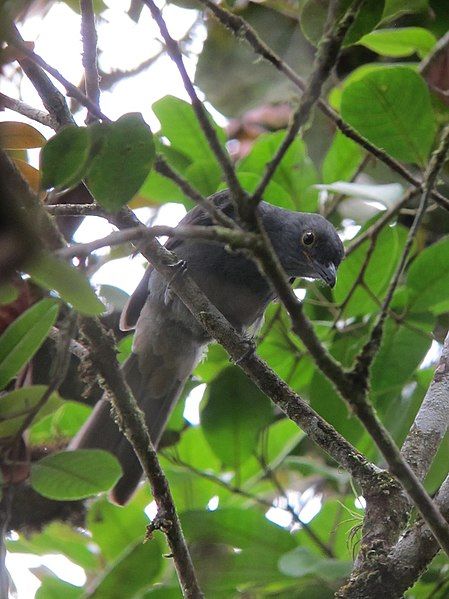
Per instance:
{"type": "Point", "coordinates": [114, 528]}
{"type": "Point", "coordinates": [404, 345]}
{"type": "Point", "coordinates": [70, 283]}
{"type": "Point", "coordinates": [428, 279]}
{"type": "Point", "coordinates": [63, 423]}
{"type": "Point", "coordinates": [16, 406]}
{"type": "Point", "coordinates": [133, 571]}
{"type": "Point", "coordinates": [242, 528]}
{"type": "Point", "coordinates": [235, 413]}
{"type": "Point", "coordinates": [64, 159]}
{"type": "Point", "coordinates": [341, 160]}
{"type": "Point", "coordinates": [399, 42]}
{"type": "Point", "coordinates": [71, 475]}
{"type": "Point", "coordinates": [122, 158]}
{"type": "Point", "coordinates": [391, 108]}
{"type": "Point", "coordinates": [301, 562]}
{"type": "Point", "coordinates": [24, 336]}
{"type": "Point", "coordinates": [251, 82]}
{"type": "Point", "coordinates": [180, 125]}
{"type": "Point", "coordinates": [377, 275]}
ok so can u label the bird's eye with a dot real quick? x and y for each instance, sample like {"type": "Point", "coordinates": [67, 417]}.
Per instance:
{"type": "Point", "coordinates": [308, 238]}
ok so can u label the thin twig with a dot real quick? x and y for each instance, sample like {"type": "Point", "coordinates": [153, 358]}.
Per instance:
{"type": "Point", "coordinates": [32, 113]}
{"type": "Point", "coordinates": [89, 38]}
{"type": "Point", "coordinates": [234, 239]}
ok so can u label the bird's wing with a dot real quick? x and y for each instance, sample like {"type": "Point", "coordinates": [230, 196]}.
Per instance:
{"type": "Point", "coordinates": [196, 216]}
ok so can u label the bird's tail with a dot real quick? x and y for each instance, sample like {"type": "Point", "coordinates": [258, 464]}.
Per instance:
{"type": "Point", "coordinates": [156, 392]}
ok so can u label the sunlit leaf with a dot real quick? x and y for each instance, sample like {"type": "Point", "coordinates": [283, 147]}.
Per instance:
{"type": "Point", "coordinates": [19, 136]}
{"type": "Point", "coordinates": [70, 475]}
{"type": "Point", "coordinates": [129, 142]}
{"type": "Point", "coordinates": [24, 336]}
{"type": "Point", "coordinates": [64, 159]}
{"type": "Point", "coordinates": [391, 108]}
{"type": "Point", "coordinates": [232, 420]}
{"type": "Point", "coordinates": [17, 405]}
{"type": "Point", "coordinates": [399, 42]}
{"type": "Point", "coordinates": [71, 284]}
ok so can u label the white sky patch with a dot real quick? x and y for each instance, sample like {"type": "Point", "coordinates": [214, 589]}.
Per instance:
{"type": "Point", "coordinates": [432, 356]}
{"type": "Point", "coordinates": [19, 565]}
{"type": "Point", "coordinates": [213, 503]}
{"type": "Point", "coordinates": [193, 401]}
{"type": "Point", "coordinates": [306, 505]}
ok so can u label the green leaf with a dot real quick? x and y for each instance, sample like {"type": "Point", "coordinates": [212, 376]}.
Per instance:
{"type": "Point", "coordinates": [400, 42]}
{"type": "Point", "coordinates": [235, 413]}
{"type": "Point", "coordinates": [21, 340]}
{"type": "Point", "coordinates": [132, 572]}
{"type": "Point", "coordinates": [122, 158]}
{"type": "Point", "coordinates": [55, 588]}
{"type": "Point", "coordinates": [64, 160]}
{"type": "Point", "coordinates": [8, 293]}
{"type": "Point", "coordinates": [377, 275]}
{"type": "Point", "coordinates": [16, 406]}
{"type": "Point", "coordinates": [115, 527]}
{"type": "Point", "coordinates": [242, 528]}
{"type": "Point", "coordinates": [71, 475]}
{"type": "Point", "coordinates": [300, 562]}
{"type": "Point", "coordinates": [404, 345]}
{"type": "Point", "coordinates": [62, 424]}
{"type": "Point", "coordinates": [180, 126]}
{"type": "Point", "coordinates": [428, 279]}
{"type": "Point", "coordinates": [314, 14]}
{"type": "Point", "coordinates": [70, 283]}
{"type": "Point", "coordinates": [336, 93]}
{"type": "Point", "coordinates": [391, 107]}
{"type": "Point", "coordinates": [341, 160]}
{"type": "Point", "coordinates": [396, 8]}
{"type": "Point", "coordinates": [274, 193]}
{"type": "Point", "coordinates": [204, 175]}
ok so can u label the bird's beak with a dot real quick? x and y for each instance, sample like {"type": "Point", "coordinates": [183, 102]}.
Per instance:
{"type": "Point", "coordinates": [327, 273]}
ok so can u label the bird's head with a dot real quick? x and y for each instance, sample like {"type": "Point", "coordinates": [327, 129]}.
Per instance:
{"type": "Point", "coordinates": [308, 246]}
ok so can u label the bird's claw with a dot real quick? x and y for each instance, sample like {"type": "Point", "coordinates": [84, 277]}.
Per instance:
{"type": "Point", "coordinates": [179, 268]}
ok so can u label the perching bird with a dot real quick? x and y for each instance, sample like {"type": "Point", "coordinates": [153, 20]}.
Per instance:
{"type": "Point", "coordinates": [169, 341]}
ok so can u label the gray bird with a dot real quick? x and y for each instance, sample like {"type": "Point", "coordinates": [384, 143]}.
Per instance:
{"type": "Point", "coordinates": [169, 341]}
